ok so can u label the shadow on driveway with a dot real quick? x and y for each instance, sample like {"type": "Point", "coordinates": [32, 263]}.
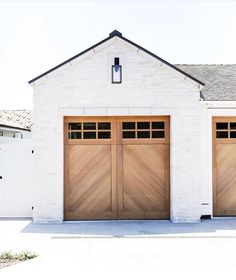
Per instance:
{"type": "Point", "coordinates": [220, 227]}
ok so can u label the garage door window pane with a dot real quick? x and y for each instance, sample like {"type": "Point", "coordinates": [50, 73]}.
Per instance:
{"type": "Point", "coordinates": [128, 134]}
{"type": "Point", "coordinates": [233, 125]}
{"type": "Point", "coordinates": [104, 125]}
{"type": "Point", "coordinates": [128, 125]}
{"type": "Point", "coordinates": [74, 126]}
{"type": "Point", "coordinates": [221, 134]}
{"type": "Point", "coordinates": [158, 125]}
{"type": "Point", "coordinates": [158, 134]}
{"type": "Point", "coordinates": [143, 125]}
{"type": "Point", "coordinates": [233, 134]}
{"type": "Point", "coordinates": [104, 135]}
{"type": "Point", "coordinates": [74, 135]}
{"type": "Point", "coordinates": [89, 126]}
{"type": "Point", "coordinates": [222, 125]}
{"type": "Point", "coordinates": [89, 135]}
{"type": "Point", "coordinates": [143, 134]}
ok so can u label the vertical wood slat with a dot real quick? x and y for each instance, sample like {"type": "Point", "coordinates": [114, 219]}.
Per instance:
{"type": "Point", "coordinates": [66, 178]}
{"type": "Point", "coordinates": [114, 166]}
{"type": "Point", "coordinates": [214, 165]}
{"type": "Point", "coordinates": [167, 178]}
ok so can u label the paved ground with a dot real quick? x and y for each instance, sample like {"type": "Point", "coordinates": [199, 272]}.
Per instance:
{"type": "Point", "coordinates": [122, 250]}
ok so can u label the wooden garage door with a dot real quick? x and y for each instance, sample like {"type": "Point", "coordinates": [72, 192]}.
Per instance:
{"type": "Point", "coordinates": [116, 168]}
{"type": "Point", "coordinates": [90, 173]}
{"type": "Point", "coordinates": [143, 180]}
{"type": "Point", "coordinates": [224, 166]}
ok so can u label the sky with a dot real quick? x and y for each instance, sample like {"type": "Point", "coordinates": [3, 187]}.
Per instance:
{"type": "Point", "coordinates": [37, 35]}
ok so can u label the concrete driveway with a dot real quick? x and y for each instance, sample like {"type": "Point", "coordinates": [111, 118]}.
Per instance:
{"type": "Point", "coordinates": [122, 249]}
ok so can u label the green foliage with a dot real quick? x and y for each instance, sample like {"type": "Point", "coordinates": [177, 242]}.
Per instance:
{"type": "Point", "coordinates": [25, 255]}
{"type": "Point", "coordinates": [8, 256]}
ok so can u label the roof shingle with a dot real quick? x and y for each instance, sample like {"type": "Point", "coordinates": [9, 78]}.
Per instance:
{"type": "Point", "coordinates": [21, 119]}
{"type": "Point", "coordinates": [219, 79]}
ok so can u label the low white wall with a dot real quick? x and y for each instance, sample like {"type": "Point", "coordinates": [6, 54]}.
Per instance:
{"type": "Point", "coordinates": [16, 192]}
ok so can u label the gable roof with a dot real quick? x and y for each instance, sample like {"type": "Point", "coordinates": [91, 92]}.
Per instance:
{"type": "Point", "coordinates": [219, 79]}
{"type": "Point", "coordinates": [16, 119]}
{"type": "Point", "coordinates": [118, 34]}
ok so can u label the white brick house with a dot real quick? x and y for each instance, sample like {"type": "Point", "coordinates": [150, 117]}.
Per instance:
{"type": "Point", "coordinates": [147, 153]}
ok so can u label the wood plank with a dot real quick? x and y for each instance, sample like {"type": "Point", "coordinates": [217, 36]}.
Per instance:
{"type": "Point", "coordinates": [145, 184]}
{"type": "Point", "coordinates": [90, 216]}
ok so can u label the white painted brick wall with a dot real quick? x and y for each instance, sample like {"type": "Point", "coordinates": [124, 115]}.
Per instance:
{"type": "Point", "coordinates": [83, 87]}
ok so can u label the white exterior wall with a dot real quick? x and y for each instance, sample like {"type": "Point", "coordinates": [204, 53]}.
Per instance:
{"type": "Point", "coordinates": [16, 190]}
{"type": "Point", "coordinates": [83, 87]}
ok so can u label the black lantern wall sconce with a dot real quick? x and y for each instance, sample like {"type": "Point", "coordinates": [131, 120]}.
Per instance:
{"type": "Point", "coordinates": [116, 71]}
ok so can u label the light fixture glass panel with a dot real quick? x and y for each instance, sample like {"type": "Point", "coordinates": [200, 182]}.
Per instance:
{"type": "Point", "coordinates": [116, 74]}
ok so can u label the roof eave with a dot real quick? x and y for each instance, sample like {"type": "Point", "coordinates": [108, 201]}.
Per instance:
{"type": "Point", "coordinates": [163, 61]}
{"type": "Point", "coordinates": [14, 127]}
{"type": "Point", "coordinates": [70, 59]}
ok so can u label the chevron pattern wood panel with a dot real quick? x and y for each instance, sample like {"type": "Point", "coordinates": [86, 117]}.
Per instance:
{"type": "Point", "coordinates": [225, 179]}
{"type": "Point", "coordinates": [89, 191]}
{"type": "Point", "coordinates": [224, 166]}
{"type": "Point", "coordinates": [145, 191]}
{"type": "Point", "coordinates": [115, 177]}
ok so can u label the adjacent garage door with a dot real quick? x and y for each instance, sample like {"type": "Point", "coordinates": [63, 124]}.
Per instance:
{"type": "Point", "coordinates": [224, 166]}
{"type": "Point", "coordinates": [116, 168]}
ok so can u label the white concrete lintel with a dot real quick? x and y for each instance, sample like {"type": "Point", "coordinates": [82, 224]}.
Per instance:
{"type": "Point", "coordinates": [219, 104]}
